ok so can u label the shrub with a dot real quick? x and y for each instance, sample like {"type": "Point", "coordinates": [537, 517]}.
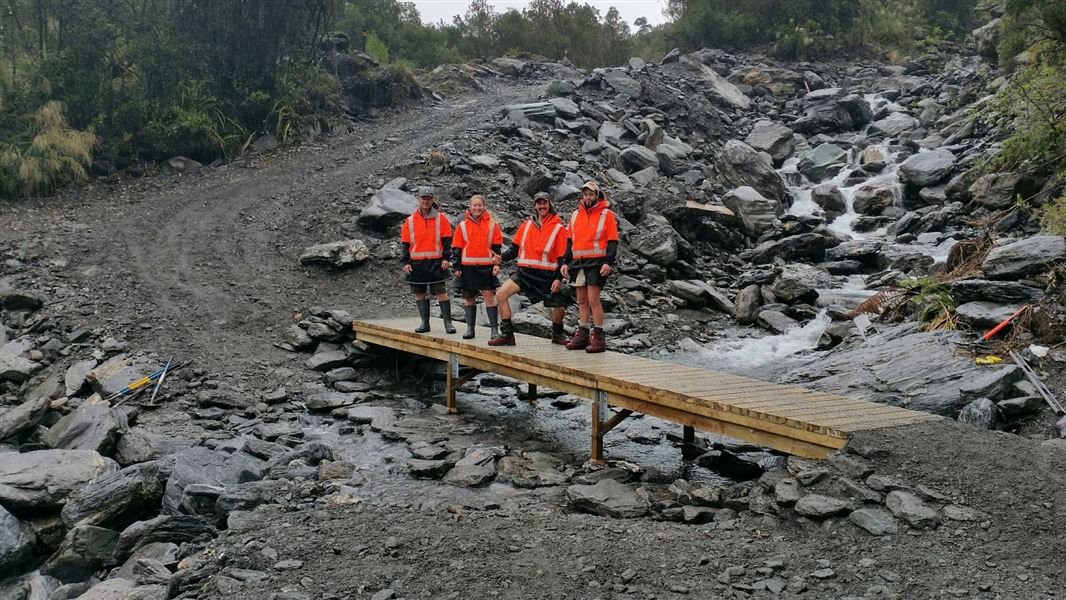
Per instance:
{"type": "Point", "coordinates": [58, 155]}
{"type": "Point", "coordinates": [1053, 217]}
{"type": "Point", "coordinates": [377, 48]}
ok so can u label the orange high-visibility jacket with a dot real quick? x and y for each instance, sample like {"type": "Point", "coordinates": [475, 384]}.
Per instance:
{"type": "Point", "coordinates": [425, 234]}
{"type": "Point", "coordinates": [539, 247]}
{"type": "Point", "coordinates": [475, 239]}
{"type": "Point", "coordinates": [590, 230]}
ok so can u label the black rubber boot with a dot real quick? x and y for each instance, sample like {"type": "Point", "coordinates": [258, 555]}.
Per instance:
{"type": "Point", "coordinates": [446, 314]}
{"type": "Point", "coordinates": [506, 337]}
{"type": "Point", "coordinates": [493, 313]}
{"type": "Point", "coordinates": [423, 311]}
{"type": "Point", "coordinates": [471, 320]}
{"type": "Point", "coordinates": [558, 337]}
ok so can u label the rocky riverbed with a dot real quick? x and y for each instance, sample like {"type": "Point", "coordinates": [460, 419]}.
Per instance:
{"type": "Point", "coordinates": [761, 203]}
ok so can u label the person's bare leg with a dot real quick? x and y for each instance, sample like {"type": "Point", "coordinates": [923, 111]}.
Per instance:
{"type": "Point", "coordinates": [595, 306]}
{"type": "Point", "coordinates": [581, 334]}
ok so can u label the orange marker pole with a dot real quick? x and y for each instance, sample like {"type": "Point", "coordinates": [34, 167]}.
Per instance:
{"type": "Point", "coordinates": [999, 327]}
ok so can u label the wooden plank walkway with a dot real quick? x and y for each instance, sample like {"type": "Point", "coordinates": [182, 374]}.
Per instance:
{"type": "Point", "coordinates": [787, 418]}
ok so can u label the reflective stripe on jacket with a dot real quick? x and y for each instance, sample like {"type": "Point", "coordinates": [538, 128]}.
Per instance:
{"type": "Point", "coordinates": [540, 246]}
{"type": "Point", "coordinates": [425, 234]}
{"type": "Point", "coordinates": [591, 229]}
{"type": "Point", "coordinates": [476, 239]}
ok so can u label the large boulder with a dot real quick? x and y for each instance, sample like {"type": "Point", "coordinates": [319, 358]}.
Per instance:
{"type": "Point", "coordinates": [1003, 292]}
{"type": "Point", "coordinates": [873, 198]}
{"type": "Point", "coordinates": [209, 467]}
{"type": "Point", "coordinates": [388, 207]}
{"type": "Point", "coordinates": [655, 240]}
{"type": "Point", "coordinates": [14, 421]}
{"type": "Point", "coordinates": [894, 124]}
{"type": "Point", "coordinates": [85, 550]}
{"type": "Point", "coordinates": [117, 499]}
{"type": "Point", "coordinates": [927, 168]}
{"type": "Point", "coordinates": [717, 88]}
{"type": "Point", "coordinates": [1024, 257]}
{"type": "Point", "coordinates": [981, 316]}
{"type": "Point", "coordinates": [772, 138]}
{"type": "Point", "coordinates": [336, 254]}
{"type": "Point", "coordinates": [755, 212]}
{"type": "Point", "coordinates": [1000, 190]}
{"type": "Point", "coordinates": [44, 479]}
{"type": "Point", "coordinates": [805, 247]}
{"type": "Point", "coordinates": [823, 161]}
{"type": "Point", "coordinates": [637, 158]}
{"type": "Point", "coordinates": [623, 83]}
{"type": "Point", "coordinates": [830, 110]}
{"type": "Point", "coordinates": [830, 198]}
{"type": "Point", "coordinates": [17, 544]}
{"type": "Point", "coordinates": [89, 427]}
{"type": "Point", "coordinates": [16, 368]}
{"type": "Point", "coordinates": [741, 165]}
{"type": "Point", "coordinates": [608, 498]}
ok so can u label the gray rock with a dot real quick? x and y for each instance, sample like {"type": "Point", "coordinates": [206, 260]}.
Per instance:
{"type": "Point", "coordinates": [992, 383]}
{"type": "Point", "coordinates": [645, 176]}
{"type": "Point", "coordinates": [919, 367]}
{"type": "Point", "coordinates": [17, 544]}
{"type": "Point", "coordinates": [908, 508]}
{"type": "Point", "coordinates": [166, 528]}
{"type": "Point", "coordinates": [984, 315]}
{"type": "Point", "coordinates": [15, 368]}
{"type": "Point", "coordinates": [981, 413]}
{"type": "Point", "coordinates": [623, 83]}
{"type": "Point", "coordinates": [84, 551]}
{"type": "Point", "coordinates": [621, 179]}
{"type": "Point", "coordinates": [566, 108]}
{"type": "Point", "coordinates": [997, 191]}
{"type": "Point", "coordinates": [755, 212]}
{"type": "Point", "coordinates": [873, 199]}
{"type": "Point", "coordinates": [509, 66]}
{"type": "Point", "coordinates": [14, 421]}
{"type": "Point", "coordinates": [671, 158]}
{"type": "Point", "coordinates": [638, 158]}
{"type": "Point", "coordinates": [775, 321]}
{"type": "Point", "coordinates": [747, 304]}
{"type": "Point", "coordinates": [772, 138]}
{"type": "Point", "coordinates": [874, 521]}
{"type": "Point", "coordinates": [387, 207]}
{"type": "Point", "coordinates": [560, 87]}
{"type": "Point", "coordinates": [655, 240]}
{"type": "Point", "coordinates": [787, 491]}
{"type": "Point", "coordinates": [611, 133]}
{"type": "Point", "coordinates": [428, 469]}
{"type": "Point", "coordinates": [716, 87]}
{"type": "Point", "coordinates": [139, 444]}
{"type": "Point", "coordinates": [829, 110]}
{"type": "Point", "coordinates": [470, 475]}
{"type": "Point", "coordinates": [75, 376]}
{"type": "Point", "coordinates": [117, 373]}
{"type": "Point", "coordinates": [563, 192]}
{"type": "Point", "coordinates": [536, 111]}
{"type": "Point", "coordinates": [16, 299]}
{"type": "Point", "coordinates": [741, 165]}
{"type": "Point", "coordinates": [792, 290]}
{"type": "Point", "coordinates": [88, 427]}
{"type": "Point", "coordinates": [805, 247]}
{"type": "Point", "coordinates": [823, 161]}
{"type": "Point", "coordinates": [165, 553]}
{"type": "Point", "coordinates": [1019, 407]}
{"type": "Point", "coordinates": [44, 479]}
{"type": "Point", "coordinates": [1002, 292]}
{"type": "Point", "coordinates": [820, 507]}
{"type": "Point", "coordinates": [894, 124]}
{"type": "Point", "coordinates": [324, 400]}
{"type": "Point", "coordinates": [608, 498]}
{"type": "Point", "coordinates": [336, 254]}
{"type": "Point", "coordinates": [830, 198]}
{"type": "Point", "coordinates": [489, 162]}
{"type": "Point", "coordinates": [117, 499]}
{"type": "Point", "coordinates": [927, 168]}
{"type": "Point", "coordinates": [225, 397]}
{"type": "Point", "coordinates": [1028, 256]}
{"type": "Point", "coordinates": [209, 467]}
{"type": "Point", "coordinates": [327, 360]}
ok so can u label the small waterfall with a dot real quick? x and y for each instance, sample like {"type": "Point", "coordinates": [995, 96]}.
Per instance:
{"type": "Point", "coordinates": [748, 356]}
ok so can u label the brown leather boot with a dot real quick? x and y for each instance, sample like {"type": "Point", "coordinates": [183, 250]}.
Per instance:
{"type": "Point", "coordinates": [597, 341]}
{"type": "Point", "coordinates": [580, 339]}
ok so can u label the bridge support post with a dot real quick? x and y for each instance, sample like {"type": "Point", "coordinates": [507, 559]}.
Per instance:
{"type": "Point", "coordinates": [531, 394]}
{"type": "Point", "coordinates": [453, 376]}
{"type": "Point", "coordinates": [600, 415]}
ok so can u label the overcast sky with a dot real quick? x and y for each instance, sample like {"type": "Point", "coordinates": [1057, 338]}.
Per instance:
{"type": "Point", "coordinates": [433, 11]}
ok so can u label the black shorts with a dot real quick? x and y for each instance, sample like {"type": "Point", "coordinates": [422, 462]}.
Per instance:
{"type": "Point", "coordinates": [475, 278]}
{"type": "Point", "coordinates": [536, 284]}
{"type": "Point", "coordinates": [581, 277]}
{"type": "Point", "coordinates": [428, 288]}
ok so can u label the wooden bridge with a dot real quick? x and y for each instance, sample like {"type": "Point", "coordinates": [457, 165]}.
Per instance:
{"type": "Point", "coordinates": [789, 419]}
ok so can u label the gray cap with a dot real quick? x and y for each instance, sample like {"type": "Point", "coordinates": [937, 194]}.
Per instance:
{"type": "Point", "coordinates": [424, 190]}
{"type": "Point", "coordinates": [542, 196]}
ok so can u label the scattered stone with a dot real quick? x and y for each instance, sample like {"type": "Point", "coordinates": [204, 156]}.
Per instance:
{"type": "Point", "coordinates": [907, 507]}
{"type": "Point", "coordinates": [608, 498]}
{"type": "Point", "coordinates": [874, 521]}
{"type": "Point", "coordinates": [820, 507]}
{"type": "Point", "coordinates": [336, 254]}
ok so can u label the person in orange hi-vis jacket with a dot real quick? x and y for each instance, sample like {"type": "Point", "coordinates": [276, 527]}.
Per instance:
{"type": "Point", "coordinates": [590, 255]}
{"type": "Point", "coordinates": [426, 236]}
{"type": "Point", "coordinates": [476, 244]}
{"type": "Point", "coordinates": [539, 245]}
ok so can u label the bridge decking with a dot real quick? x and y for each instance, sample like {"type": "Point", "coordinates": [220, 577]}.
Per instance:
{"type": "Point", "coordinates": [787, 418]}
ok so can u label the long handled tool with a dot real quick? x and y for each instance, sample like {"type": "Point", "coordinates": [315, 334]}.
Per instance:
{"type": "Point", "coordinates": [160, 382]}
{"type": "Point", "coordinates": [143, 381]}
{"type": "Point", "coordinates": [1039, 385]}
